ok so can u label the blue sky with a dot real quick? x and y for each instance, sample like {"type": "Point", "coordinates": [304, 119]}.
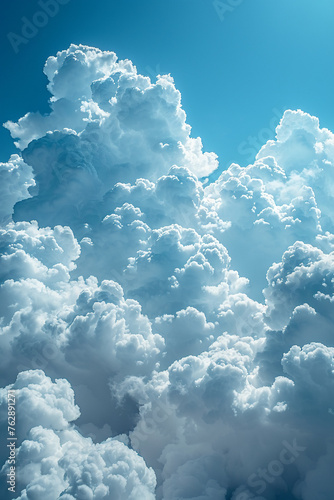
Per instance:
{"type": "Point", "coordinates": [236, 75]}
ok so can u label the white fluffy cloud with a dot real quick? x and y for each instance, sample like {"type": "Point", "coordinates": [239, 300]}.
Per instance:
{"type": "Point", "coordinates": [112, 125]}
{"type": "Point", "coordinates": [305, 275]}
{"type": "Point", "coordinates": [65, 465]}
{"type": "Point", "coordinates": [191, 321]}
{"type": "Point", "coordinates": [15, 180]}
{"type": "Point", "coordinates": [55, 461]}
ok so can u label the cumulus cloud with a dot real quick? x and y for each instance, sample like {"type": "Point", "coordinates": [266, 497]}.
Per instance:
{"type": "Point", "coordinates": [80, 329]}
{"type": "Point", "coordinates": [55, 461]}
{"type": "Point", "coordinates": [269, 209]}
{"type": "Point", "coordinates": [218, 415]}
{"type": "Point", "coordinates": [107, 124]}
{"type": "Point", "coordinates": [16, 178]}
{"type": "Point", "coordinates": [305, 275]}
{"type": "Point", "coordinates": [190, 321]}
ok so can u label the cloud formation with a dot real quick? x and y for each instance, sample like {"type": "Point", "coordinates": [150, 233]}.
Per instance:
{"type": "Point", "coordinates": [190, 321]}
{"type": "Point", "coordinates": [107, 124]}
{"type": "Point", "coordinates": [55, 461]}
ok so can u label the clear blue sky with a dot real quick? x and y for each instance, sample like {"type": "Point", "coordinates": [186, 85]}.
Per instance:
{"type": "Point", "coordinates": [235, 74]}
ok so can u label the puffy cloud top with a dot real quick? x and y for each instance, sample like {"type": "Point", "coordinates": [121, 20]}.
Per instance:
{"type": "Point", "coordinates": [107, 124]}
{"type": "Point", "coordinates": [15, 180]}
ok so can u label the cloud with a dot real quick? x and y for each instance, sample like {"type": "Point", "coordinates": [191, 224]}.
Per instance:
{"type": "Point", "coordinates": [268, 208]}
{"type": "Point", "coordinates": [212, 411]}
{"type": "Point", "coordinates": [42, 253]}
{"type": "Point", "coordinates": [319, 481]}
{"type": "Point", "coordinates": [78, 330]}
{"type": "Point", "coordinates": [15, 180]}
{"type": "Point", "coordinates": [107, 124]}
{"type": "Point", "coordinates": [190, 321]}
{"type": "Point", "coordinates": [70, 466]}
{"type": "Point", "coordinates": [303, 276]}
{"type": "Point", "coordinates": [42, 402]}
{"type": "Point", "coordinates": [55, 460]}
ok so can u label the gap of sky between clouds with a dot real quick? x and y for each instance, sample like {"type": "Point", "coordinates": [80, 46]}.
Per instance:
{"type": "Point", "coordinates": [238, 65]}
